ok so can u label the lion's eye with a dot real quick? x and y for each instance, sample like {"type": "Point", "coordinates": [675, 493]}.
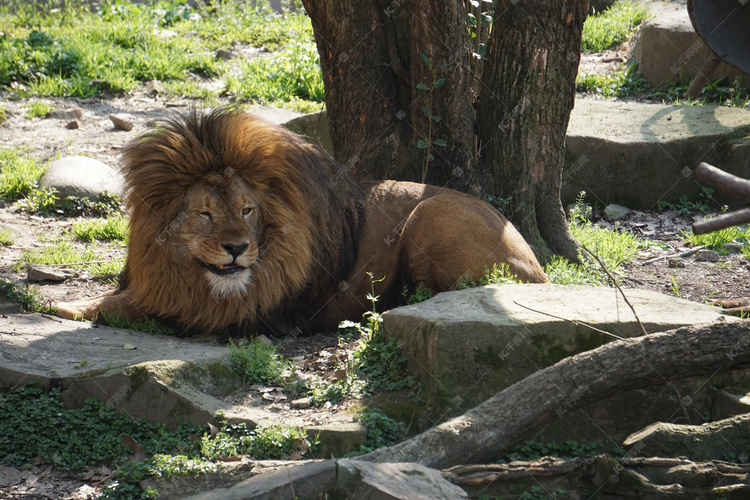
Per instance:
{"type": "Point", "coordinates": [247, 210]}
{"type": "Point", "coordinates": [206, 215]}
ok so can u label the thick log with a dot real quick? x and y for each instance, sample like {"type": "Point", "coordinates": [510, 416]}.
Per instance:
{"type": "Point", "coordinates": [491, 429]}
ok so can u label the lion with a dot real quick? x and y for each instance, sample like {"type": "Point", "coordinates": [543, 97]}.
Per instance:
{"type": "Point", "coordinates": [238, 226]}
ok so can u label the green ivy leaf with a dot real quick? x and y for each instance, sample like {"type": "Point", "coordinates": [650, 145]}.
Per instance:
{"type": "Point", "coordinates": [426, 110]}
{"type": "Point", "coordinates": [432, 157]}
{"type": "Point", "coordinates": [440, 142]}
{"type": "Point", "coordinates": [421, 144]}
{"type": "Point", "coordinates": [425, 58]}
{"type": "Point", "coordinates": [422, 86]}
{"type": "Point", "coordinates": [437, 118]}
{"type": "Point", "coordinates": [439, 82]}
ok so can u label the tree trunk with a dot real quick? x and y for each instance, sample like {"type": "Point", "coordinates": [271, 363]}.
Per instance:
{"type": "Point", "coordinates": [529, 81]}
{"type": "Point", "coordinates": [491, 429]}
{"type": "Point", "coordinates": [397, 89]}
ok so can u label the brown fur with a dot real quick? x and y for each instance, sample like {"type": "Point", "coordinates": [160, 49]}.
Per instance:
{"type": "Point", "coordinates": [312, 232]}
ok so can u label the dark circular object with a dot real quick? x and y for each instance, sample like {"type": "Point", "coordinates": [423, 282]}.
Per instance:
{"type": "Point", "coordinates": [725, 27]}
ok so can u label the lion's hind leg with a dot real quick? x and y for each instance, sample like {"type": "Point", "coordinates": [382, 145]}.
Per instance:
{"type": "Point", "coordinates": [449, 237]}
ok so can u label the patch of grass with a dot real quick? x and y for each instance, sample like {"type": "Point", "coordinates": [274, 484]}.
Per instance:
{"type": "Point", "coordinates": [27, 296]}
{"type": "Point", "coordinates": [382, 430]}
{"type": "Point", "coordinates": [109, 204]}
{"type": "Point", "coordinates": [612, 26]}
{"type": "Point", "coordinates": [38, 109]}
{"type": "Point", "coordinates": [685, 206]}
{"type": "Point", "coordinates": [613, 247]}
{"type": "Point", "coordinates": [292, 76]}
{"type": "Point", "coordinates": [19, 174]}
{"type": "Point", "coordinates": [142, 325]}
{"type": "Point", "coordinates": [266, 442]}
{"type": "Point", "coordinates": [257, 362]}
{"type": "Point", "coordinates": [74, 51]}
{"type": "Point", "coordinates": [60, 252]}
{"type": "Point", "coordinates": [499, 274]}
{"type": "Point", "coordinates": [420, 294]}
{"type": "Point", "coordinates": [718, 240]}
{"type": "Point", "coordinates": [6, 237]}
{"type": "Point", "coordinates": [113, 228]}
{"type": "Point", "coordinates": [624, 83]}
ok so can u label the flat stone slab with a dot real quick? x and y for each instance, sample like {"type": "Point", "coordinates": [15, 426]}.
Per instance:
{"type": "Point", "coordinates": [638, 154]}
{"type": "Point", "coordinates": [468, 345]}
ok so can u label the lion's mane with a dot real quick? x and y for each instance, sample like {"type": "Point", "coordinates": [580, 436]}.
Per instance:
{"type": "Point", "coordinates": [311, 208]}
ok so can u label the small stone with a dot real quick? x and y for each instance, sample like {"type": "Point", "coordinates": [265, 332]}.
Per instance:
{"type": "Point", "coordinates": [733, 247]}
{"type": "Point", "coordinates": [302, 403]}
{"type": "Point", "coordinates": [225, 54]}
{"type": "Point", "coordinates": [706, 255]}
{"type": "Point", "coordinates": [122, 121]}
{"type": "Point", "coordinates": [615, 212]}
{"type": "Point", "coordinates": [38, 272]}
{"type": "Point", "coordinates": [263, 340]}
{"type": "Point", "coordinates": [154, 88]}
{"type": "Point", "coordinates": [72, 125]}
{"type": "Point", "coordinates": [677, 263]}
{"type": "Point", "coordinates": [66, 114]}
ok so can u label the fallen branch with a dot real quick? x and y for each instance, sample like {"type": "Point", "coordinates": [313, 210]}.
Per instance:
{"type": "Point", "coordinates": [686, 253]}
{"type": "Point", "coordinates": [494, 427]}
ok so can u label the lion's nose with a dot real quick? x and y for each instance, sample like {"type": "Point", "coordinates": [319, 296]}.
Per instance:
{"type": "Point", "coordinates": [234, 250]}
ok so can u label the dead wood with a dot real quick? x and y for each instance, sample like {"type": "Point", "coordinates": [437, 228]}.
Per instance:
{"type": "Point", "coordinates": [606, 477]}
{"type": "Point", "coordinates": [697, 442]}
{"type": "Point", "coordinates": [494, 427]}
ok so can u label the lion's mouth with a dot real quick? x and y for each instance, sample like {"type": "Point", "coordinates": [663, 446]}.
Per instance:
{"type": "Point", "coordinates": [222, 269]}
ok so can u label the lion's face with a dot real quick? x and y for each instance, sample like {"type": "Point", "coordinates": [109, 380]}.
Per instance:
{"type": "Point", "coordinates": [220, 234]}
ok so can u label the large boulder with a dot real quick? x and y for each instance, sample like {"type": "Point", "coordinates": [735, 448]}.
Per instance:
{"type": "Point", "coordinates": [638, 154]}
{"type": "Point", "coordinates": [468, 345]}
{"type": "Point", "coordinates": [667, 48]}
{"type": "Point", "coordinates": [82, 177]}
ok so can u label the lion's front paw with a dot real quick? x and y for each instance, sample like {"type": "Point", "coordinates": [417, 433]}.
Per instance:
{"type": "Point", "coordinates": [85, 310]}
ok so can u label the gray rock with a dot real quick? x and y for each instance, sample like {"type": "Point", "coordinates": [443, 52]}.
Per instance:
{"type": "Point", "coordinates": [733, 247]}
{"type": "Point", "coordinates": [667, 48]}
{"type": "Point", "coordinates": [467, 345]}
{"type": "Point", "coordinates": [338, 439]}
{"type": "Point", "coordinates": [122, 121]}
{"type": "Point", "coordinates": [637, 154]}
{"type": "Point", "coordinates": [315, 127]}
{"type": "Point", "coordinates": [39, 272]}
{"type": "Point", "coordinates": [66, 114]}
{"type": "Point", "coordinates": [706, 255]}
{"type": "Point", "coordinates": [225, 54]}
{"type": "Point", "coordinates": [614, 212]}
{"type": "Point", "coordinates": [676, 263]}
{"type": "Point", "coordinates": [81, 176]}
{"type": "Point", "coordinates": [74, 125]}
{"type": "Point", "coordinates": [301, 403]}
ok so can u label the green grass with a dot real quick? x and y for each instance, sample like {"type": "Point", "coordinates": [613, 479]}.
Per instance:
{"type": "Point", "coordinates": [257, 362]}
{"type": "Point", "coordinates": [6, 237]}
{"type": "Point", "coordinates": [113, 228]}
{"type": "Point", "coordinates": [291, 76]}
{"type": "Point", "coordinates": [623, 83]}
{"type": "Point", "coordinates": [612, 26]}
{"type": "Point", "coordinates": [718, 240]}
{"type": "Point", "coordinates": [614, 248]}
{"type": "Point", "coordinates": [64, 252]}
{"type": "Point", "coordinates": [34, 424]}
{"type": "Point", "coordinates": [19, 174]}
{"type": "Point", "coordinates": [37, 109]}
{"type": "Point", "coordinates": [27, 296]}
{"type": "Point", "coordinates": [74, 51]}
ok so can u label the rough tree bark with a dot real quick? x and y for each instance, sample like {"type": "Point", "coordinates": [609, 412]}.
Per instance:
{"type": "Point", "coordinates": [395, 74]}
{"type": "Point", "coordinates": [398, 77]}
{"type": "Point", "coordinates": [491, 429]}
{"type": "Point", "coordinates": [529, 89]}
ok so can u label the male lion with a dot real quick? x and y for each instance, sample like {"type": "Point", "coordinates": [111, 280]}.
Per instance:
{"type": "Point", "coordinates": [237, 224]}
